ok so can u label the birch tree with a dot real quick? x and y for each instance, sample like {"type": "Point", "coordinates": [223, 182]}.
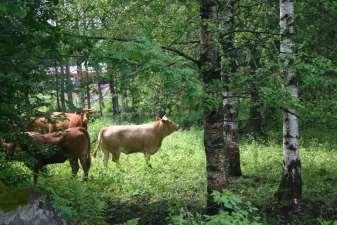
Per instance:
{"type": "Point", "coordinates": [290, 188]}
{"type": "Point", "coordinates": [69, 86]}
{"type": "Point", "coordinates": [213, 114]}
{"type": "Point", "coordinates": [228, 69]}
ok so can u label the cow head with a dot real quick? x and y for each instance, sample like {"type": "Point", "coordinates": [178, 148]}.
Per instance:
{"type": "Point", "coordinates": [85, 116]}
{"type": "Point", "coordinates": [168, 125]}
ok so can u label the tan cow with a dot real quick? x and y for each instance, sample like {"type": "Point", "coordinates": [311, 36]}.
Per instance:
{"type": "Point", "coordinates": [145, 138]}
{"type": "Point", "coordinates": [72, 144]}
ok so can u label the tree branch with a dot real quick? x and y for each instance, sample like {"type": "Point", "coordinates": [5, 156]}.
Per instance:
{"type": "Point", "coordinates": [290, 112]}
{"type": "Point", "coordinates": [255, 32]}
{"type": "Point", "coordinates": [182, 54]}
{"type": "Point", "coordinates": [176, 51]}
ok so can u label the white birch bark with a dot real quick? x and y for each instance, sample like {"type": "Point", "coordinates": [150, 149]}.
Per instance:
{"type": "Point", "coordinates": [290, 187]}
{"type": "Point", "coordinates": [230, 100]}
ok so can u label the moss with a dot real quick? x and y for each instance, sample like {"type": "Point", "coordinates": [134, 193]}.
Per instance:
{"type": "Point", "coordinates": [11, 198]}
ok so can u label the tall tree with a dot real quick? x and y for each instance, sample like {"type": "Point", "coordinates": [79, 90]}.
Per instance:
{"type": "Point", "coordinates": [69, 87]}
{"type": "Point", "coordinates": [213, 113]}
{"type": "Point", "coordinates": [87, 84]}
{"type": "Point", "coordinates": [290, 189]}
{"type": "Point", "coordinates": [99, 92]}
{"type": "Point", "coordinates": [79, 82]}
{"type": "Point", "coordinates": [62, 91]}
{"type": "Point", "coordinates": [255, 115]}
{"type": "Point", "coordinates": [113, 91]}
{"type": "Point", "coordinates": [228, 69]}
{"type": "Point", "coordinates": [57, 85]}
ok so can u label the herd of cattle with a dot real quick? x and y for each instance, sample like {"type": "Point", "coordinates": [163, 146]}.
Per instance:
{"type": "Point", "coordinates": [67, 138]}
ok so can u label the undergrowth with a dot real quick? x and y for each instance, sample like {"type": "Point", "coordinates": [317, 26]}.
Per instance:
{"type": "Point", "coordinates": [175, 188]}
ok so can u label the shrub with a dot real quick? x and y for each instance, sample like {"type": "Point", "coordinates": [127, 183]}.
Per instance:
{"type": "Point", "coordinates": [233, 212]}
{"type": "Point", "coordinates": [13, 173]}
{"type": "Point", "coordinates": [74, 200]}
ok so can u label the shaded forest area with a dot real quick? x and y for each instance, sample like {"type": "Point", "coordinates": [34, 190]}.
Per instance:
{"type": "Point", "coordinates": [251, 84]}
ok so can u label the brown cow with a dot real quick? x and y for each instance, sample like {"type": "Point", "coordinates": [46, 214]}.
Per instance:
{"type": "Point", "coordinates": [59, 121]}
{"type": "Point", "coordinates": [72, 144]}
{"type": "Point", "coordinates": [8, 146]}
{"type": "Point", "coordinates": [39, 124]}
{"type": "Point", "coordinates": [145, 138]}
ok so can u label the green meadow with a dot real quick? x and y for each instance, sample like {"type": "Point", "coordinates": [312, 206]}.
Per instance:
{"type": "Point", "coordinates": [174, 190]}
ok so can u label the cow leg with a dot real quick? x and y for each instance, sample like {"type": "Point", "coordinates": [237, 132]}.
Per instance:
{"type": "Point", "coordinates": [115, 158]}
{"type": "Point", "coordinates": [147, 160]}
{"type": "Point", "coordinates": [105, 159]}
{"type": "Point", "coordinates": [85, 161]}
{"type": "Point", "coordinates": [74, 166]}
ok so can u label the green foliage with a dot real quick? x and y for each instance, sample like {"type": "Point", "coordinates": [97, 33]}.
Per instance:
{"type": "Point", "coordinates": [13, 173]}
{"type": "Point", "coordinates": [131, 222]}
{"type": "Point", "coordinates": [177, 183]}
{"type": "Point", "coordinates": [144, 47]}
{"type": "Point", "coordinates": [328, 222]}
{"type": "Point", "coordinates": [74, 200]}
{"type": "Point", "coordinates": [11, 198]}
{"type": "Point", "coordinates": [234, 212]}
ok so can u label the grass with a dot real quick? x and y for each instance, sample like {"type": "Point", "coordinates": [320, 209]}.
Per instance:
{"type": "Point", "coordinates": [178, 180]}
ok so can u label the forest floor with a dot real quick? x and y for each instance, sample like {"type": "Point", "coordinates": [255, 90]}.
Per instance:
{"type": "Point", "coordinates": [177, 181]}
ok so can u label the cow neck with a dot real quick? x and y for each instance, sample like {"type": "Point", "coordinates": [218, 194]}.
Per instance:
{"type": "Point", "coordinates": [160, 129]}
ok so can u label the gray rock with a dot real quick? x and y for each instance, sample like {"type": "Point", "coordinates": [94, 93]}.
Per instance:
{"type": "Point", "coordinates": [36, 212]}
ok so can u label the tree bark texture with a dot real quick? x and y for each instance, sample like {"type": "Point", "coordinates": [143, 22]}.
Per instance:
{"type": "Point", "coordinates": [100, 98]}
{"type": "Point", "coordinates": [57, 89]}
{"type": "Point", "coordinates": [290, 189]}
{"type": "Point", "coordinates": [87, 85]}
{"type": "Point", "coordinates": [79, 82]}
{"type": "Point", "coordinates": [69, 88]}
{"type": "Point", "coordinates": [230, 101]}
{"type": "Point", "coordinates": [62, 91]}
{"type": "Point", "coordinates": [114, 95]}
{"type": "Point", "coordinates": [255, 114]}
{"type": "Point", "coordinates": [255, 117]}
{"type": "Point", "coordinates": [213, 116]}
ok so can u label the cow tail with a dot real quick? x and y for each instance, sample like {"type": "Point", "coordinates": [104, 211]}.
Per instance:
{"type": "Point", "coordinates": [99, 140]}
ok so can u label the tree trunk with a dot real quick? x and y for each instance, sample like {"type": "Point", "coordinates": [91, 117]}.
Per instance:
{"type": "Point", "coordinates": [99, 92]}
{"type": "Point", "coordinates": [79, 82]}
{"type": "Point", "coordinates": [114, 96]}
{"type": "Point", "coordinates": [87, 84]}
{"type": "Point", "coordinates": [230, 101]}
{"type": "Point", "coordinates": [69, 88]}
{"type": "Point", "coordinates": [57, 89]}
{"type": "Point", "coordinates": [125, 101]}
{"type": "Point", "coordinates": [255, 116]}
{"type": "Point", "coordinates": [100, 98]}
{"type": "Point", "coordinates": [213, 115]}
{"type": "Point", "coordinates": [290, 189]}
{"type": "Point", "coordinates": [231, 133]}
{"type": "Point", "coordinates": [62, 92]}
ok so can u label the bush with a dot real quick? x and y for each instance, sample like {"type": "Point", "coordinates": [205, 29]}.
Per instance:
{"type": "Point", "coordinates": [233, 212]}
{"type": "Point", "coordinates": [13, 173]}
{"type": "Point", "coordinates": [74, 200]}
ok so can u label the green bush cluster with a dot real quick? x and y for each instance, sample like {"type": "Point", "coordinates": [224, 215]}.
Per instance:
{"type": "Point", "coordinates": [74, 200]}
{"type": "Point", "coordinates": [233, 212]}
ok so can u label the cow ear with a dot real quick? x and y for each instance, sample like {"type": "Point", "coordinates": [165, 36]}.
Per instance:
{"type": "Point", "coordinates": [158, 118]}
{"type": "Point", "coordinates": [164, 118]}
